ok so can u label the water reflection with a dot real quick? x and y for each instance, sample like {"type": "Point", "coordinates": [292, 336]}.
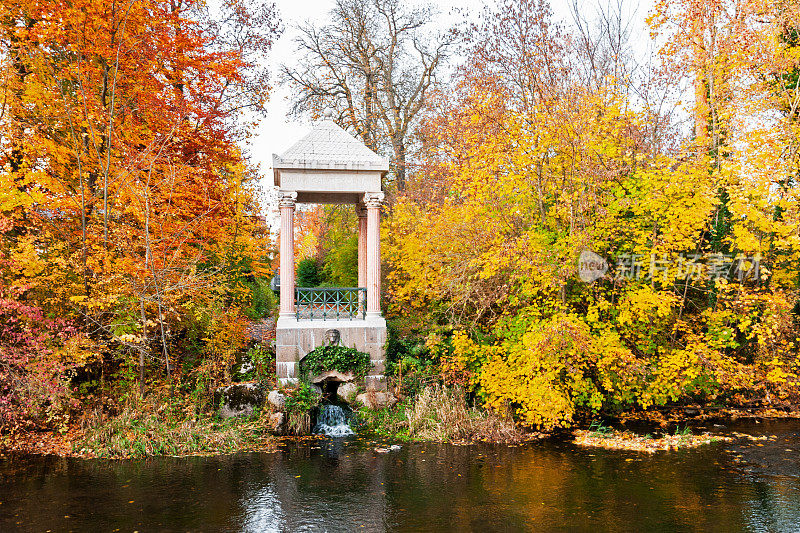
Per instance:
{"type": "Point", "coordinates": [344, 485]}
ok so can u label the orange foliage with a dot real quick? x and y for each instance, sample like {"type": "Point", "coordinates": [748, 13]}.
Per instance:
{"type": "Point", "coordinates": [123, 193]}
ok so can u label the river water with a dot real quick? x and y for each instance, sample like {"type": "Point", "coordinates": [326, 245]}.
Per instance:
{"type": "Point", "coordinates": [345, 485]}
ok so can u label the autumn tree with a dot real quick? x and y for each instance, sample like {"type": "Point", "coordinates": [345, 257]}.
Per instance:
{"type": "Point", "coordinates": [536, 162]}
{"type": "Point", "coordinates": [120, 169]}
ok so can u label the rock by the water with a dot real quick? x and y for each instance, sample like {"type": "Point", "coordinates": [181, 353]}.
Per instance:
{"type": "Point", "coordinates": [347, 392]}
{"type": "Point", "coordinates": [239, 399]}
{"type": "Point", "coordinates": [376, 400]}
{"type": "Point", "coordinates": [276, 423]}
{"type": "Point", "coordinates": [277, 400]}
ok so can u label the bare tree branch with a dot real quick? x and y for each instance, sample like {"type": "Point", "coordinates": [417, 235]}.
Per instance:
{"type": "Point", "coordinates": [373, 66]}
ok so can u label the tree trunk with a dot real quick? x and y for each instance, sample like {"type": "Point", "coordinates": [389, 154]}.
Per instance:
{"type": "Point", "coordinates": [142, 347]}
{"type": "Point", "coordinates": [399, 146]}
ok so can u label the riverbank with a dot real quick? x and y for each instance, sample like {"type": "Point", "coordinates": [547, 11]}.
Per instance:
{"type": "Point", "coordinates": [146, 429]}
{"type": "Point", "coordinates": [698, 414]}
{"type": "Point", "coordinates": [136, 438]}
{"type": "Point", "coordinates": [205, 437]}
{"type": "Point", "coordinates": [436, 414]}
{"type": "Point", "coordinates": [441, 414]}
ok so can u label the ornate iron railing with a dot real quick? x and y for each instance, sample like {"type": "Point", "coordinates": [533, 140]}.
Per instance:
{"type": "Point", "coordinates": [331, 303]}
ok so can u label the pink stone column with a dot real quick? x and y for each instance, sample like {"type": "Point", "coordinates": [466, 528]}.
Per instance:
{"type": "Point", "coordinates": [373, 202]}
{"type": "Point", "coordinates": [362, 252]}
{"type": "Point", "coordinates": [286, 203]}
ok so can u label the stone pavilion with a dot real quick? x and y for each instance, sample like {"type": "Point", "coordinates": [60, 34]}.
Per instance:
{"type": "Point", "coordinates": [331, 166]}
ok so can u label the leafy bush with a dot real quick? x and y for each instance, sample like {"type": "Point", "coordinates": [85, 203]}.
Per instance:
{"type": "Point", "coordinates": [297, 406]}
{"type": "Point", "coordinates": [549, 372]}
{"type": "Point", "coordinates": [263, 300]}
{"type": "Point", "coordinates": [226, 338]}
{"type": "Point", "coordinates": [33, 363]}
{"type": "Point", "coordinates": [386, 422]}
{"type": "Point", "coordinates": [308, 273]}
{"type": "Point", "coordinates": [411, 361]}
{"type": "Point", "coordinates": [339, 358]}
{"type": "Point", "coordinates": [406, 350]}
{"type": "Point", "coordinates": [261, 358]}
{"type": "Point", "coordinates": [341, 264]}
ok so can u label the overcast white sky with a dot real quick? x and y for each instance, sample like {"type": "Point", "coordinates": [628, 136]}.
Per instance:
{"type": "Point", "coordinates": [278, 131]}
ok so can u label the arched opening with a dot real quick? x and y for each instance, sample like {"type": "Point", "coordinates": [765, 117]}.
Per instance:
{"type": "Point", "coordinates": [329, 390]}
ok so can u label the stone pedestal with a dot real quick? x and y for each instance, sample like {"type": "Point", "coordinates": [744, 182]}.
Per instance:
{"type": "Point", "coordinates": [294, 339]}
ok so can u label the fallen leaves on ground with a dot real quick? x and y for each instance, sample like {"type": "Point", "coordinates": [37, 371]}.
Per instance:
{"type": "Point", "coordinates": [626, 440]}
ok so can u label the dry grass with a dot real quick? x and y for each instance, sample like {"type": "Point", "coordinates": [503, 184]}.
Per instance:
{"type": "Point", "coordinates": [299, 423]}
{"type": "Point", "coordinates": [145, 430]}
{"type": "Point", "coordinates": [441, 414]}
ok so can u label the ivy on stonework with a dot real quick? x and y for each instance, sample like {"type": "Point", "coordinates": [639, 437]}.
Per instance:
{"type": "Point", "coordinates": [339, 358]}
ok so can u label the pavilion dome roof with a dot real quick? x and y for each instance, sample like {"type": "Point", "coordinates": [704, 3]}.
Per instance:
{"type": "Point", "coordinates": [329, 147]}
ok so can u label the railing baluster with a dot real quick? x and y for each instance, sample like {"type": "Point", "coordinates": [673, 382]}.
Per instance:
{"type": "Point", "coordinates": [345, 303]}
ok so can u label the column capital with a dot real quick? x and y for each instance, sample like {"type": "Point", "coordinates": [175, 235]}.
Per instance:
{"type": "Point", "coordinates": [287, 198]}
{"type": "Point", "coordinates": [361, 210]}
{"type": "Point", "coordinates": [373, 199]}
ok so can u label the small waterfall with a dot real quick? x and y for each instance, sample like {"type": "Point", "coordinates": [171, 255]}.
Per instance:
{"type": "Point", "coordinates": [333, 421]}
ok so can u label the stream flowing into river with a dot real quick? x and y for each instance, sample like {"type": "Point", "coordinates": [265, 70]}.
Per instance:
{"type": "Point", "coordinates": [355, 484]}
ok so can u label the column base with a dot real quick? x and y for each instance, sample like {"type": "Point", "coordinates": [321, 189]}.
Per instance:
{"type": "Point", "coordinates": [375, 319]}
{"type": "Point", "coordinates": [283, 318]}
